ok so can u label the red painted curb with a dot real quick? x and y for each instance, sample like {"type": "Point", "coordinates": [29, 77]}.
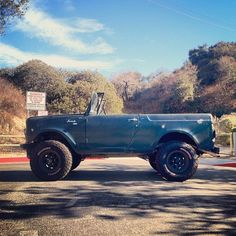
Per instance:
{"type": "Point", "coordinates": [94, 158]}
{"type": "Point", "coordinates": [231, 164]}
{"type": "Point", "coordinates": [4, 160]}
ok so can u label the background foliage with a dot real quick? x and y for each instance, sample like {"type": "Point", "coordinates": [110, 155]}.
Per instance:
{"type": "Point", "coordinates": [66, 92]}
{"type": "Point", "coordinates": [205, 83]}
{"type": "Point", "coordinates": [10, 9]}
{"type": "Point", "coordinates": [11, 106]}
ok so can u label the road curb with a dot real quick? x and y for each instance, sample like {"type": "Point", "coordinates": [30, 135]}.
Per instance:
{"type": "Point", "coordinates": [231, 164]}
{"type": "Point", "coordinates": [9, 160]}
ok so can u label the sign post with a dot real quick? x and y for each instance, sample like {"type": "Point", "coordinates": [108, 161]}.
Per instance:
{"type": "Point", "coordinates": [35, 101]}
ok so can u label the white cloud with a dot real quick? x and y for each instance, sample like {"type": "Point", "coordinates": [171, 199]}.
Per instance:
{"type": "Point", "coordinates": [12, 56]}
{"type": "Point", "coordinates": [86, 25]}
{"type": "Point", "coordinates": [38, 24]}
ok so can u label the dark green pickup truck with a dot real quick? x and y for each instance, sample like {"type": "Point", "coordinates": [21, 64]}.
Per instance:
{"type": "Point", "coordinates": [171, 143]}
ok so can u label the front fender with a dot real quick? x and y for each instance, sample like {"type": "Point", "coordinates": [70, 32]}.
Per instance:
{"type": "Point", "coordinates": [55, 133]}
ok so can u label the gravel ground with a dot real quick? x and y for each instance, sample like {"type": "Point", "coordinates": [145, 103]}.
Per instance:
{"type": "Point", "coordinates": [121, 196]}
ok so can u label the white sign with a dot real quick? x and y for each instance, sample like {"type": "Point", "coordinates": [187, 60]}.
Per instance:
{"type": "Point", "coordinates": [35, 101]}
{"type": "Point", "coordinates": [42, 113]}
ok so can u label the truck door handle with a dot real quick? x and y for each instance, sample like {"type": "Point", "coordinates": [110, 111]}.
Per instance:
{"type": "Point", "coordinates": [133, 120]}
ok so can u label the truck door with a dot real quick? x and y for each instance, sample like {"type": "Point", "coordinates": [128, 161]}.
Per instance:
{"type": "Point", "coordinates": [110, 133]}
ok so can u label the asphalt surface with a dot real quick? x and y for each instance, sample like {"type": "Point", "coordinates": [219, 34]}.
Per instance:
{"type": "Point", "coordinates": [117, 197]}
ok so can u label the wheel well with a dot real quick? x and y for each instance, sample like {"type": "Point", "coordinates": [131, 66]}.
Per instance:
{"type": "Point", "coordinates": [57, 137]}
{"type": "Point", "coordinates": [175, 136]}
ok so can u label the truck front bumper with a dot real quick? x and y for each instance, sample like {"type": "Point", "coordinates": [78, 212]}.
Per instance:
{"type": "Point", "coordinates": [26, 145]}
{"type": "Point", "coordinates": [216, 150]}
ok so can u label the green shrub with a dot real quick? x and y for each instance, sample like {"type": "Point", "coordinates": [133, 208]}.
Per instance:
{"type": "Point", "coordinates": [227, 122]}
{"type": "Point", "coordinates": [223, 139]}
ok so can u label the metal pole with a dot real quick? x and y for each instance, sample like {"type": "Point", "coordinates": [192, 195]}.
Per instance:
{"type": "Point", "coordinates": [233, 149]}
{"type": "Point", "coordinates": [231, 144]}
{"type": "Point", "coordinates": [234, 143]}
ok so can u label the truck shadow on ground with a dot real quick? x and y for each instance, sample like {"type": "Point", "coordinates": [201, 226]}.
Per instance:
{"type": "Point", "coordinates": [119, 173]}
{"type": "Point", "coordinates": [85, 175]}
{"type": "Point", "coordinates": [131, 194]}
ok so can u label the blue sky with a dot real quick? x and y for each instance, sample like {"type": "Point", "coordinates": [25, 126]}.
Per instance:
{"type": "Point", "coordinates": [117, 35]}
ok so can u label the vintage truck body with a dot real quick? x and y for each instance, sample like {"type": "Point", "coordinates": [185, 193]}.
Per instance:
{"type": "Point", "coordinates": [144, 135]}
{"type": "Point", "coordinates": [133, 134]}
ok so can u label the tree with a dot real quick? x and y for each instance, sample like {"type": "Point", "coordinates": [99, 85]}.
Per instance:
{"type": "Point", "coordinates": [67, 102]}
{"type": "Point", "coordinates": [199, 54]}
{"type": "Point", "coordinates": [207, 60]}
{"type": "Point", "coordinates": [220, 98]}
{"type": "Point", "coordinates": [10, 9]}
{"type": "Point", "coordinates": [86, 82]}
{"type": "Point", "coordinates": [127, 84]}
{"type": "Point", "coordinates": [186, 82]}
{"type": "Point", "coordinates": [216, 66]}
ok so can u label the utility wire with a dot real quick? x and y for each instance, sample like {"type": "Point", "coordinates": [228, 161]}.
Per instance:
{"type": "Point", "coordinates": [192, 16]}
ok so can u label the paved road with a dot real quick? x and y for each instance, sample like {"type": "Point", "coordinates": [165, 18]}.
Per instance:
{"type": "Point", "coordinates": [117, 197]}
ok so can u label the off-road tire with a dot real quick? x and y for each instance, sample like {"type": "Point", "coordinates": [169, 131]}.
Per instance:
{"type": "Point", "coordinates": [50, 160]}
{"type": "Point", "coordinates": [176, 161]}
{"type": "Point", "coordinates": [153, 163]}
{"type": "Point", "coordinates": [76, 162]}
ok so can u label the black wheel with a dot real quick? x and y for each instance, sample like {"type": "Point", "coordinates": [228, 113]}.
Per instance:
{"type": "Point", "coordinates": [176, 161]}
{"type": "Point", "coordinates": [76, 162]}
{"type": "Point", "coordinates": [50, 160]}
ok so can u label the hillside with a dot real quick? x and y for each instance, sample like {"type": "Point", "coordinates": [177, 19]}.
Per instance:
{"type": "Point", "coordinates": [205, 83]}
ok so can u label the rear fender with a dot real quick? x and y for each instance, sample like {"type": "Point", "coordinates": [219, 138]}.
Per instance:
{"type": "Point", "coordinates": [178, 136]}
